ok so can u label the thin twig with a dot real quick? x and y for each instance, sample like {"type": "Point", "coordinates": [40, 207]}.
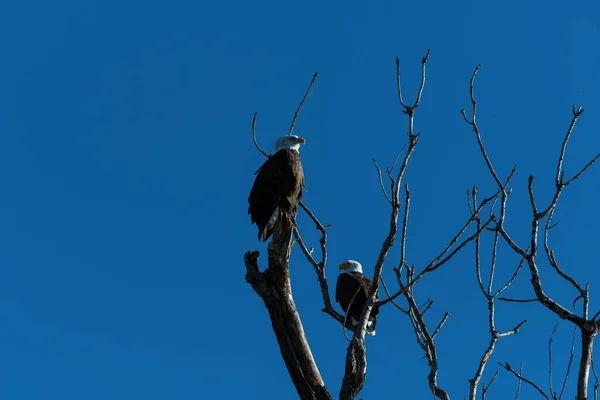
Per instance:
{"type": "Point", "coordinates": [427, 306]}
{"type": "Point", "coordinates": [552, 258]}
{"type": "Point", "coordinates": [486, 387]}
{"type": "Point", "coordinates": [564, 386]}
{"type": "Point", "coordinates": [511, 280]}
{"type": "Point", "coordinates": [517, 300]}
{"type": "Point", "coordinates": [519, 382]}
{"type": "Point", "coordinates": [442, 322]}
{"type": "Point", "coordinates": [381, 181]}
{"type": "Point", "coordinates": [426, 342]}
{"type": "Point", "coordinates": [589, 164]}
{"type": "Point", "coordinates": [388, 294]}
{"type": "Point", "coordinates": [512, 331]}
{"type": "Point", "coordinates": [431, 267]}
{"type": "Point", "coordinates": [576, 113]}
{"type": "Point", "coordinates": [302, 102]}
{"type": "Point", "coordinates": [404, 228]}
{"type": "Point", "coordinates": [254, 137]}
{"type": "Point", "coordinates": [520, 377]}
{"type": "Point", "coordinates": [550, 360]}
{"type": "Point", "coordinates": [420, 93]}
{"type": "Point", "coordinates": [473, 123]}
{"type": "Point", "coordinates": [318, 266]}
{"type": "Point", "coordinates": [396, 159]}
{"type": "Point", "coordinates": [346, 314]}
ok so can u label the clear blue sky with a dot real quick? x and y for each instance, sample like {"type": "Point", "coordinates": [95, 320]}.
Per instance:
{"type": "Point", "coordinates": [126, 159]}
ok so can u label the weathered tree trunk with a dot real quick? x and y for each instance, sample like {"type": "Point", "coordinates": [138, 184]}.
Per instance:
{"type": "Point", "coordinates": [355, 372]}
{"type": "Point", "coordinates": [587, 343]}
{"type": "Point", "coordinates": [274, 287]}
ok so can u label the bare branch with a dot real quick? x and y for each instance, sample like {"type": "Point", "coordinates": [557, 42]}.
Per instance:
{"type": "Point", "coordinates": [390, 169]}
{"type": "Point", "coordinates": [389, 240]}
{"type": "Point", "coordinates": [320, 266]}
{"type": "Point", "coordinates": [576, 113]}
{"type": "Point", "coordinates": [517, 300]}
{"type": "Point", "coordinates": [512, 331]}
{"type": "Point", "coordinates": [486, 387]}
{"type": "Point", "coordinates": [314, 78]}
{"type": "Point", "coordinates": [493, 263]}
{"type": "Point", "coordinates": [487, 293]}
{"type": "Point", "coordinates": [564, 386]}
{"type": "Point", "coordinates": [473, 123]}
{"type": "Point", "coordinates": [532, 201]}
{"type": "Point", "coordinates": [477, 248]}
{"type": "Point", "coordinates": [420, 93]}
{"type": "Point", "coordinates": [550, 361]}
{"type": "Point", "coordinates": [427, 306]}
{"type": "Point", "coordinates": [552, 258]}
{"type": "Point", "coordinates": [442, 322]}
{"type": "Point", "coordinates": [494, 336]}
{"type": "Point", "coordinates": [431, 267]}
{"type": "Point", "coordinates": [589, 164]}
{"type": "Point", "coordinates": [398, 82]}
{"type": "Point", "coordinates": [344, 325]}
{"type": "Point", "coordinates": [388, 295]}
{"type": "Point", "coordinates": [519, 382]}
{"type": "Point", "coordinates": [404, 228]}
{"type": "Point", "coordinates": [520, 377]}
{"type": "Point", "coordinates": [381, 181]}
{"type": "Point", "coordinates": [426, 341]}
{"type": "Point", "coordinates": [321, 228]}
{"type": "Point", "coordinates": [306, 251]}
{"type": "Point", "coordinates": [511, 243]}
{"type": "Point", "coordinates": [254, 137]}
{"type": "Point", "coordinates": [511, 280]}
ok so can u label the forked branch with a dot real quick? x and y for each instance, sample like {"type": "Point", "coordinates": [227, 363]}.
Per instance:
{"type": "Point", "coordinates": [319, 267]}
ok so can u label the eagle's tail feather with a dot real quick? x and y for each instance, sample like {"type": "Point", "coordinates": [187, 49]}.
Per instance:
{"type": "Point", "coordinates": [371, 327]}
{"type": "Point", "coordinates": [270, 224]}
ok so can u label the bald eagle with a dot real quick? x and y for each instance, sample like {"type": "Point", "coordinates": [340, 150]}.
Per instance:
{"type": "Point", "coordinates": [278, 186]}
{"type": "Point", "coordinates": [351, 292]}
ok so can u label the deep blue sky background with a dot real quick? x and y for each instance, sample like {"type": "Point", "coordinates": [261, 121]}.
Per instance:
{"type": "Point", "coordinates": [126, 158]}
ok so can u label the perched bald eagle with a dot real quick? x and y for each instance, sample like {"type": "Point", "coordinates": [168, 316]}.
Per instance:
{"type": "Point", "coordinates": [278, 186]}
{"type": "Point", "coordinates": [351, 292]}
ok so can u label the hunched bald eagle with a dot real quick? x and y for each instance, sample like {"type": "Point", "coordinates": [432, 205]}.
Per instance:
{"type": "Point", "coordinates": [278, 186]}
{"type": "Point", "coordinates": [351, 292]}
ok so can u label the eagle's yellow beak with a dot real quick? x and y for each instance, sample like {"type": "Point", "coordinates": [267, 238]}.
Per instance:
{"type": "Point", "coordinates": [301, 140]}
{"type": "Point", "coordinates": [343, 266]}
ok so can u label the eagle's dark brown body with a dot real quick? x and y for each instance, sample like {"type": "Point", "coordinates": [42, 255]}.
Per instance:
{"type": "Point", "coordinates": [351, 292]}
{"type": "Point", "coordinates": [278, 184]}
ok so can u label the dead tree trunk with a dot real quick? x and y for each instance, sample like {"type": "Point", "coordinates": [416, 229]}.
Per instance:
{"type": "Point", "coordinates": [273, 286]}
{"type": "Point", "coordinates": [587, 342]}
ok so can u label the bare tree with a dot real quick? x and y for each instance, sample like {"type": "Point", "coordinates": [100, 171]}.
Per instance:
{"type": "Point", "coordinates": [589, 327]}
{"type": "Point", "coordinates": [273, 285]}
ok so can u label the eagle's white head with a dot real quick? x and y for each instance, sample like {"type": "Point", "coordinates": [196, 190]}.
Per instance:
{"type": "Point", "coordinates": [289, 142]}
{"type": "Point", "coordinates": [350, 266]}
